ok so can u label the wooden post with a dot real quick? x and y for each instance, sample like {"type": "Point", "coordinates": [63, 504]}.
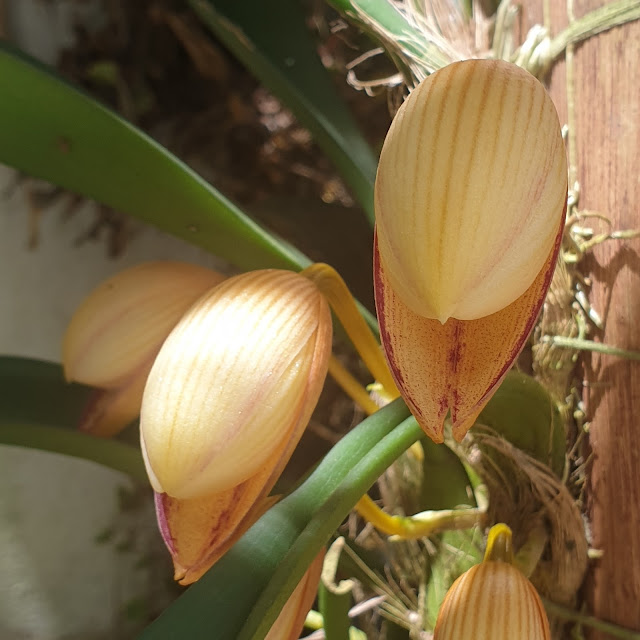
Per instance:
{"type": "Point", "coordinates": [607, 105]}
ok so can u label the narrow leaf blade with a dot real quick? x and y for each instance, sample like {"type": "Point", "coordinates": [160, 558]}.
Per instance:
{"type": "Point", "coordinates": [39, 410]}
{"type": "Point", "coordinates": [55, 132]}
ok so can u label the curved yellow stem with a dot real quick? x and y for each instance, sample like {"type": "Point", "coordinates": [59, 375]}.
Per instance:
{"type": "Point", "coordinates": [499, 544]}
{"type": "Point", "coordinates": [333, 287]}
{"type": "Point", "coordinates": [420, 525]}
{"type": "Point", "coordinates": [351, 386]}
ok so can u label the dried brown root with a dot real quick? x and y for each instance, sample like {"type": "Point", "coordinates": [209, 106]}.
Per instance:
{"type": "Point", "coordinates": [526, 495]}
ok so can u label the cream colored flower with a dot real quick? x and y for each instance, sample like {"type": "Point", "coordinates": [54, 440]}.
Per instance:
{"type": "Point", "coordinates": [492, 601]}
{"type": "Point", "coordinates": [226, 402]}
{"type": "Point", "coordinates": [116, 332]}
{"type": "Point", "coordinates": [470, 198]}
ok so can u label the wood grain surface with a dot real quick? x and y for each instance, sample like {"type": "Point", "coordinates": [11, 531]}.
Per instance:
{"type": "Point", "coordinates": [607, 98]}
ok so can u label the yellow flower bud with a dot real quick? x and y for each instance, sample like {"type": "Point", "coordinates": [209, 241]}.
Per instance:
{"type": "Point", "coordinates": [116, 332]}
{"type": "Point", "coordinates": [226, 402]}
{"type": "Point", "coordinates": [123, 322]}
{"type": "Point", "coordinates": [239, 374]}
{"type": "Point", "coordinates": [470, 200]}
{"type": "Point", "coordinates": [470, 189]}
{"type": "Point", "coordinates": [492, 601]}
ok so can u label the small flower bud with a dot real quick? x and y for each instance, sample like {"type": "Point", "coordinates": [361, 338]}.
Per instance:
{"type": "Point", "coordinates": [123, 322]}
{"type": "Point", "coordinates": [493, 600]}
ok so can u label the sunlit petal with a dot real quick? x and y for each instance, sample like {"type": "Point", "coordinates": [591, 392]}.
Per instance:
{"type": "Point", "coordinates": [470, 188]}
{"type": "Point", "coordinates": [124, 321]}
{"type": "Point", "coordinates": [235, 383]}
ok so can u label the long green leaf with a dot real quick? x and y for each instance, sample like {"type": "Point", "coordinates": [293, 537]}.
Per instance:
{"type": "Point", "coordinates": [272, 40]}
{"type": "Point", "coordinates": [36, 392]}
{"type": "Point", "coordinates": [51, 130]}
{"type": "Point", "coordinates": [240, 597]}
{"type": "Point", "coordinates": [39, 410]}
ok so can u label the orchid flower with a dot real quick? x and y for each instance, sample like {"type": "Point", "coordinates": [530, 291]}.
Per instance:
{"type": "Point", "coordinates": [226, 401]}
{"type": "Point", "coordinates": [116, 332]}
{"type": "Point", "coordinates": [470, 200]}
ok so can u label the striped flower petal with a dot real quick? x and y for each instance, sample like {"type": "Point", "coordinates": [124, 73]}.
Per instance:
{"type": "Point", "coordinates": [454, 367]}
{"type": "Point", "coordinates": [470, 203]}
{"type": "Point", "coordinates": [235, 383]}
{"type": "Point", "coordinates": [121, 325]}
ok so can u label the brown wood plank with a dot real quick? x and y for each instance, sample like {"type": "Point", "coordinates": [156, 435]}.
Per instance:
{"type": "Point", "coordinates": [607, 94]}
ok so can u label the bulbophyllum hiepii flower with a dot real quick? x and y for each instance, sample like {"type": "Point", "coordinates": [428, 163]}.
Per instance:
{"type": "Point", "coordinates": [493, 600]}
{"type": "Point", "coordinates": [470, 201]}
{"type": "Point", "coordinates": [116, 332]}
{"type": "Point", "coordinates": [225, 404]}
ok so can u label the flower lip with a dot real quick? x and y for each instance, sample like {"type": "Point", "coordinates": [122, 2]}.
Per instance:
{"type": "Point", "coordinates": [458, 365]}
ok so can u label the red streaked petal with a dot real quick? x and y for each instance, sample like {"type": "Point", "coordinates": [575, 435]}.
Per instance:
{"type": "Point", "coordinates": [458, 365]}
{"type": "Point", "coordinates": [198, 531]}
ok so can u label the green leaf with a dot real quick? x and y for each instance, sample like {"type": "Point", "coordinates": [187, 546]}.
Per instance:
{"type": "Point", "coordinates": [40, 410]}
{"type": "Point", "coordinates": [80, 145]}
{"type": "Point", "coordinates": [240, 597]}
{"type": "Point", "coordinates": [52, 131]}
{"type": "Point", "coordinates": [272, 40]}
{"type": "Point", "coordinates": [445, 481]}
{"type": "Point", "coordinates": [35, 391]}
{"type": "Point", "coordinates": [524, 413]}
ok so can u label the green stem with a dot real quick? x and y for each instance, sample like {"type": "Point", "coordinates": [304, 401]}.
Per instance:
{"type": "Point", "coordinates": [590, 345]}
{"type": "Point", "coordinates": [334, 607]}
{"type": "Point", "coordinates": [110, 453]}
{"type": "Point", "coordinates": [590, 621]}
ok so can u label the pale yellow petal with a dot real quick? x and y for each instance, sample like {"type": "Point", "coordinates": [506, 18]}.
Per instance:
{"type": "Point", "coordinates": [470, 190]}
{"type": "Point", "coordinates": [199, 531]}
{"type": "Point", "coordinates": [236, 378]}
{"type": "Point", "coordinates": [109, 411]}
{"type": "Point", "coordinates": [290, 622]}
{"type": "Point", "coordinates": [457, 366]}
{"type": "Point", "coordinates": [124, 321]}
